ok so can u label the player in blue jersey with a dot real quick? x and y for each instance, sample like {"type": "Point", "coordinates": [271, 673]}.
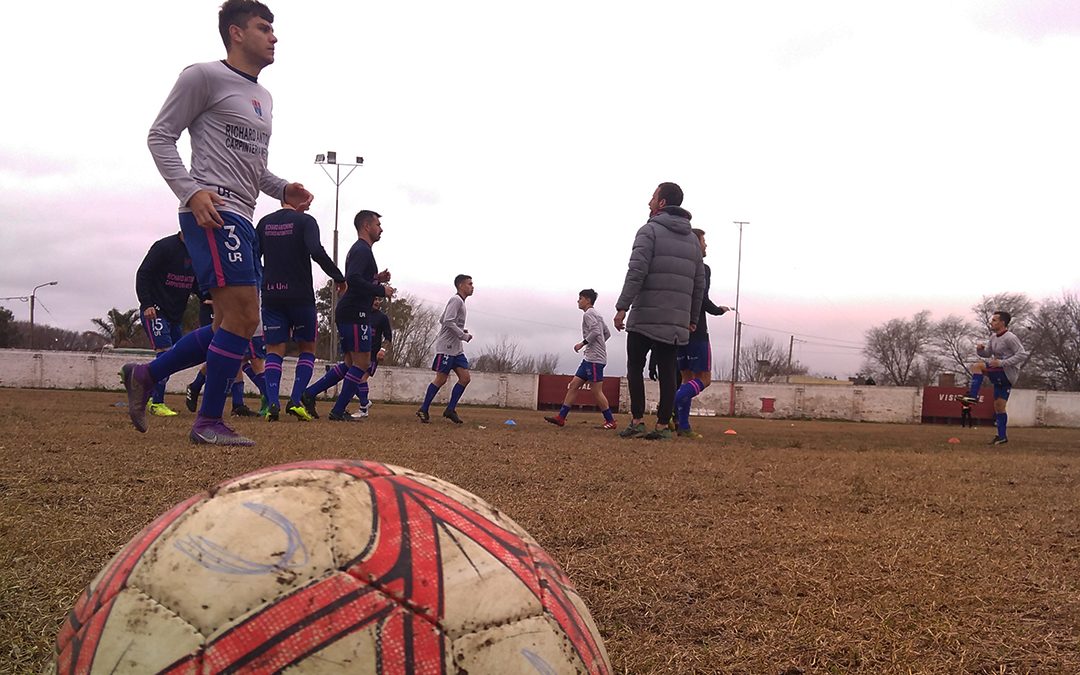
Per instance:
{"type": "Point", "coordinates": [163, 283]}
{"type": "Point", "coordinates": [594, 336]}
{"type": "Point", "coordinates": [695, 357]}
{"type": "Point", "coordinates": [1000, 362]}
{"type": "Point", "coordinates": [365, 283]}
{"type": "Point", "coordinates": [289, 241]}
{"type": "Point", "coordinates": [381, 333]}
{"type": "Point", "coordinates": [227, 115]}
{"type": "Point", "coordinates": [450, 352]}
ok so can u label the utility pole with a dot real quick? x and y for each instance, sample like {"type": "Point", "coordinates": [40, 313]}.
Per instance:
{"type": "Point", "coordinates": [33, 296]}
{"type": "Point", "coordinates": [322, 160]}
{"type": "Point", "coordinates": [738, 322]}
{"type": "Point", "coordinates": [790, 348]}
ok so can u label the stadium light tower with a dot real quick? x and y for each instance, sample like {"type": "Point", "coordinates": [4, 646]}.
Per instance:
{"type": "Point", "coordinates": [738, 322]}
{"type": "Point", "coordinates": [330, 158]}
{"type": "Point", "coordinates": [33, 297]}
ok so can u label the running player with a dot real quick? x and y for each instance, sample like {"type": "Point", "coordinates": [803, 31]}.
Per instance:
{"type": "Point", "coordinates": [227, 114]}
{"type": "Point", "coordinates": [380, 332]}
{"type": "Point", "coordinates": [1001, 362]}
{"type": "Point", "coordinates": [594, 336]}
{"type": "Point", "coordinates": [289, 241]}
{"type": "Point", "coordinates": [695, 357]}
{"type": "Point", "coordinates": [365, 283]}
{"type": "Point", "coordinates": [450, 353]}
{"type": "Point", "coordinates": [163, 283]}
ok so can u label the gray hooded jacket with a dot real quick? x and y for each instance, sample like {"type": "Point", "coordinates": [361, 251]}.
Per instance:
{"type": "Point", "coordinates": [665, 279]}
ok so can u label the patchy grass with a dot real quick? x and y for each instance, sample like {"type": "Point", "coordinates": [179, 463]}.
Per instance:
{"type": "Point", "coordinates": [792, 547]}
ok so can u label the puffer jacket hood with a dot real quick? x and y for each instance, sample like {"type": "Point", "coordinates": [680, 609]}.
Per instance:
{"type": "Point", "coordinates": [665, 278]}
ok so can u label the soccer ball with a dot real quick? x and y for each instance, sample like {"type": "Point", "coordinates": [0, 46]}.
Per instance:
{"type": "Point", "coordinates": [333, 566]}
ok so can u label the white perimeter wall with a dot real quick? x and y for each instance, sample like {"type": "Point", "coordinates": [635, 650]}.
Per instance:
{"type": "Point", "coordinates": [1027, 407]}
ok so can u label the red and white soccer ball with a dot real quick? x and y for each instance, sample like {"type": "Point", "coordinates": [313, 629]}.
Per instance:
{"type": "Point", "coordinates": [332, 566]}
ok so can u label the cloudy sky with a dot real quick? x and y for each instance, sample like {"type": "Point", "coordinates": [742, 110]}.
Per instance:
{"type": "Point", "coordinates": [889, 157]}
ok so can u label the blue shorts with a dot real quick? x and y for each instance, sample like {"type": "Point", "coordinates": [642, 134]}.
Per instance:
{"type": "Point", "coordinates": [590, 372]}
{"type": "Point", "coordinates": [224, 256]}
{"type": "Point", "coordinates": [444, 363]}
{"type": "Point", "coordinates": [355, 337]}
{"type": "Point", "coordinates": [280, 322]}
{"type": "Point", "coordinates": [696, 356]}
{"type": "Point", "coordinates": [998, 378]}
{"type": "Point", "coordinates": [162, 332]}
{"type": "Point", "coordinates": [256, 347]}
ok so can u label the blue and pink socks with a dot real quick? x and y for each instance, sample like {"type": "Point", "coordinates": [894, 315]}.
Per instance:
{"type": "Point", "coordinates": [332, 377]}
{"type": "Point", "coordinates": [272, 376]}
{"type": "Point", "coordinates": [976, 382]}
{"type": "Point", "coordinates": [683, 398]}
{"type": "Point", "coordinates": [223, 360]}
{"type": "Point", "coordinates": [189, 351]}
{"type": "Point", "coordinates": [1002, 421]}
{"type": "Point", "coordinates": [305, 368]}
{"type": "Point", "coordinates": [353, 377]}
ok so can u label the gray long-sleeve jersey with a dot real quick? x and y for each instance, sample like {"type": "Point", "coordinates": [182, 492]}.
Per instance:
{"type": "Point", "coordinates": [228, 117]}
{"type": "Point", "coordinates": [594, 332]}
{"type": "Point", "coordinates": [1007, 349]}
{"type": "Point", "coordinates": [450, 336]}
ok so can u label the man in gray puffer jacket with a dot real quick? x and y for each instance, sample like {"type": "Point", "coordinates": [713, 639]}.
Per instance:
{"type": "Point", "coordinates": [664, 286]}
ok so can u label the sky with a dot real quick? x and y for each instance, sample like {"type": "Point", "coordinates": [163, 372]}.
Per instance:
{"type": "Point", "coordinates": [886, 157]}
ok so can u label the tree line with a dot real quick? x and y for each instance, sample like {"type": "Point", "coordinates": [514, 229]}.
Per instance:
{"type": "Point", "coordinates": [917, 351]}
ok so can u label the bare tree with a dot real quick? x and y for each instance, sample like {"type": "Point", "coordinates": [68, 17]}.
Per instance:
{"type": "Point", "coordinates": [414, 326]}
{"type": "Point", "coordinates": [506, 356]}
{"type": "Point", "coordinates": [1054, 344]}
{"type": "Point", "coordinates": [1019, 305]}
{"type": "Point", "coordinates": [764, 360]}
{"type": "Point", "coordinates": [952, 343]}
{"type": "Point", "coordinates": [895, 349]}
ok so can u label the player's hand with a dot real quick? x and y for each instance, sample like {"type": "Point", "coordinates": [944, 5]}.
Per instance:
{"type": "Point", "coordinates": [578, 346]}
{"type": "Point", "coordinates": [150, 312]}
{"type": "Point", "coordinates": [693, 327]}
{"type": "Point", "coordinates": [381, 355]}
{"type": "Point", "coordinates": [341, 288]}
{"type": "Point", "coordinates": [203, 205]}
{"type": "Point", "coordinates": [466, 337]}
{"type": "Point", "coordinates": [995, 363]}
{"type": "Point", "coordinates": [384, 277]}
{"type": "Point", "coordinates": [298, 197]}
{"type": "Point", "coordinates": [724, 309]}
{"type": "Point", "coordinates": [620, 319]}
{"type": "Point", "coordinates": [389, 291]}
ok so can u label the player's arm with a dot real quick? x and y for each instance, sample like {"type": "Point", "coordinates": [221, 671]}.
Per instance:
{"type": "Point", "coordinates": [147, 276]}
{"type": "Point", "coordinates": [318, 253]}
{"type": "Point", "coordinates": [189, 97]}
{"type": "Point", "coordinates": [699, 294]}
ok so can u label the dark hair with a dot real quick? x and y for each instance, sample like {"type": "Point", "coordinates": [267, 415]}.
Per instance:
{"type": "Point", "coordinates": [363, 217]}
{"type": "Point", "coordinates": [238, 13]}
{"type": "Point", "coordinates": [460, 279]}
{"type": "Point", "coordinates": [1005, 316]}
{"type": "Point", "coordinates": [671, 194]}
{"type": "Point", "coordinates": [590, 294]}
{"type": "Point", "coordinates": [698, 231]}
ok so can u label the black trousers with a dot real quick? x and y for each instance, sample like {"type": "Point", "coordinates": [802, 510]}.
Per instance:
{"type": "Point", "coordinates": [637, 349]}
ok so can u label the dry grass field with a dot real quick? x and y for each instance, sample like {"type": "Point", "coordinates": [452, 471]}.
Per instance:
{"type": "Point", "coordinates": [792, 547]}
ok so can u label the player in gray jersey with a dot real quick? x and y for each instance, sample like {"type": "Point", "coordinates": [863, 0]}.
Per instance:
{"type": "Point", "coordinates": [594, 336]}
{"type": "Point", "coordinates": [1001, 363]}
{"type": "Point", "coordinates": [450, 352]}
{"type": "Point", "coordinates": [227, 115]}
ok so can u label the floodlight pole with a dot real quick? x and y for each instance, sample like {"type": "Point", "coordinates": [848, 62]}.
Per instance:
{"type": "Point", "coordinates": [738, 322]}
{"type": "Point", "coordinates": [322, 160]}
{"type": "Point", "coordinates": [33, 296]}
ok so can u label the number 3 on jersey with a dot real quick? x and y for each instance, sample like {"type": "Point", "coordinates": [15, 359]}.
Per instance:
{"type": "Point", "coordinates": [232, 242]}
